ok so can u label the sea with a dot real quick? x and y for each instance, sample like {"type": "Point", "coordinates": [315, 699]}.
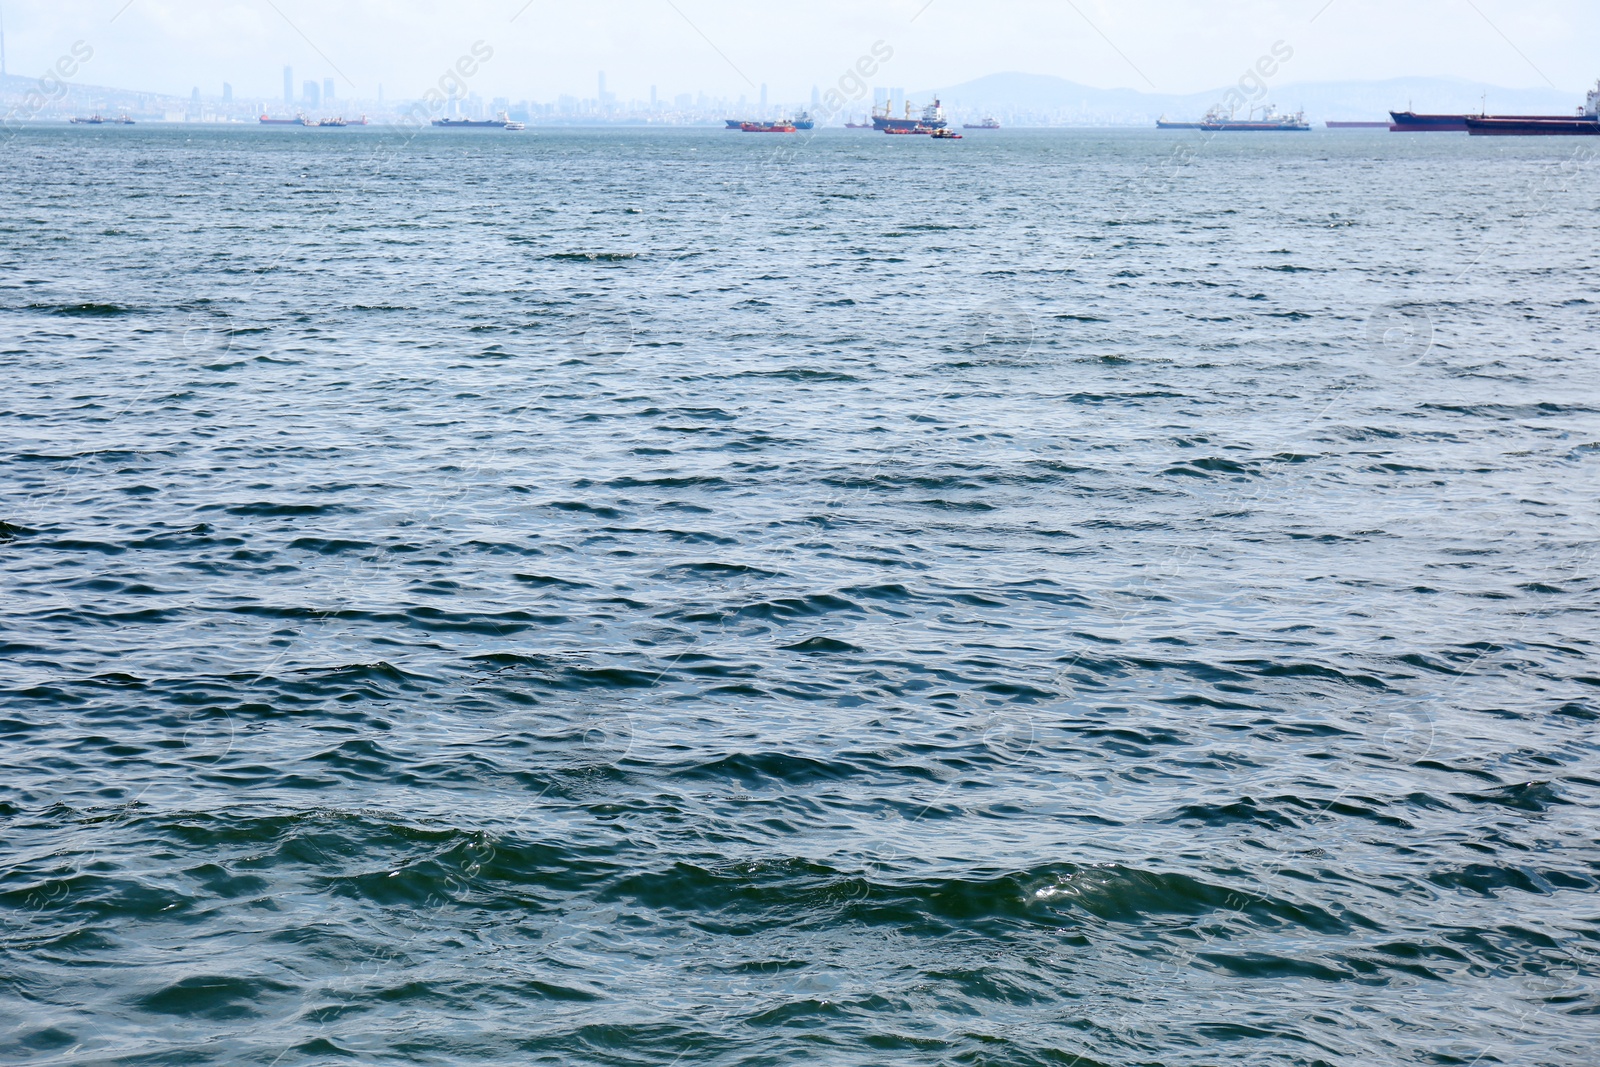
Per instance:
{"type": "Point", "coordinates": [665, 596]}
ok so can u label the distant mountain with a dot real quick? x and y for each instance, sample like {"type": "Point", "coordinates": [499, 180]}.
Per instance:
{"type": "Point", "coordinates": [1024, 99]}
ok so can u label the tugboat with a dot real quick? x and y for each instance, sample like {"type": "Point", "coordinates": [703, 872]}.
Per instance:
{"type": "Point", "coordinates": [944, 135]}
{"type": "Point", "coordinates": [989, 123]}
{"type": "Point", "coordinates": [932, 118]}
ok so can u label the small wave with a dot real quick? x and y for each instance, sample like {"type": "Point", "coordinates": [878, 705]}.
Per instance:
{"type": "Point", "coordinates": [594, 257]}
{"type": "Point", "coordinates": [85, 310]}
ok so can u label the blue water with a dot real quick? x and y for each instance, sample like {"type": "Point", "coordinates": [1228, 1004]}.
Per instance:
{"type": "Point", "coordinates": [666, 597]}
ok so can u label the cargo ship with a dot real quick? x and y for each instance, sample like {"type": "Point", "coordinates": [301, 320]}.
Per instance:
{"type": "Point", "coordinates": [1214, 116]}
{"type": "Point", "coordinates": [858, 125]}
{"type": "Point", "coordinates": [932, 118]}
{"type": "Point", "coordinates": [989, 123]}
{"type": "Point", "coordinates": [92, 120]}
{"type": "Point", "coordinates": [298, 120]}
{"type": "Point", "coordinates": [1270, 121]}
{"type": "Point", "coordinates": [781, 126]}
{"type": "Point", "coordinates": [498, 123]}
{"type": "Point", "coordinates": [804, 121]}
{"type": "Point", "coordinates": [1411, 122]}
{"type": "Point", "coordinates": [1586, 123]}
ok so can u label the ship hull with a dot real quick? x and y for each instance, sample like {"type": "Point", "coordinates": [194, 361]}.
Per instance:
{"type": "Point", "coordinates": [469, 124]}
{"type": "Point", "coordinates": [1515, 127]}
{"type": "Point", "coordinates": [904, 125]}
{"type": "Point", "coordinates": [1411, 122]}
{"type": "Point", "coordinates": [1162, 124]}
{"type": "Point", "coordinates": [1255, 127]}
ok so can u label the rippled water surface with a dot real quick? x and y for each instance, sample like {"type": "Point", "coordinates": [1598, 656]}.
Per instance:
{"type": "Point", "coordinates": [673, 597]}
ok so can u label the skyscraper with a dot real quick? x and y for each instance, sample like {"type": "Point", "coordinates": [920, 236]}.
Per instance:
{"type": "Point", "coordinates": [313, 97]}
{"type": "Point", "coordinates": [763, 99]}
{"type": "Point", "coordinates": [227, 93]}
{"type": "Point", "coordinates": [288, 85]}
{"type": "Point", "coordinates": [327, 89]}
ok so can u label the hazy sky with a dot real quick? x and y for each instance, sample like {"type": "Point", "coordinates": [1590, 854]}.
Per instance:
{"type": "Point", "coordinates": [556, 46]}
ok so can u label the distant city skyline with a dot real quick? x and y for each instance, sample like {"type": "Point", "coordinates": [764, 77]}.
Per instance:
{"type": "Point", "coordinates": [546, 50]}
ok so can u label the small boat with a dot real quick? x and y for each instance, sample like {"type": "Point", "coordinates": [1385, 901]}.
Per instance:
{"type": "Point", "coordinates": [944, 135]}
{"type": "Point", "coordinates": [333, 122]}
{"type": "Point", "coordinates": [513, 125]}
{"type": "Point", "coordinates": [122, 120]}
